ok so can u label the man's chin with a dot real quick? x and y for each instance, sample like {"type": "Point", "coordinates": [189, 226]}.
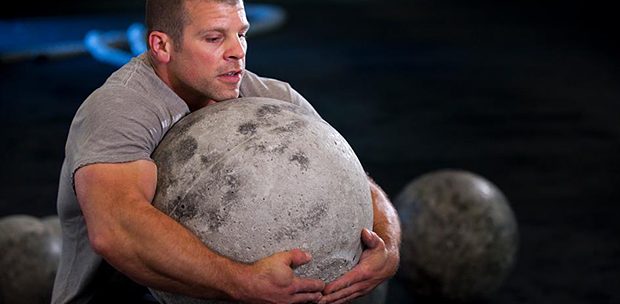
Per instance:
{"type": "Point", "coordinates": [227, 96]}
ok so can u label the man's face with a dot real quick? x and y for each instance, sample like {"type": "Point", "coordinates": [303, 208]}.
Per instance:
{"type": "Point", "coordinates": [210, 63]}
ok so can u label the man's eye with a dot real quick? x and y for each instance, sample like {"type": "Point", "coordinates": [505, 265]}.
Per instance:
{"type": "Point", "coordinates": [212, 39]}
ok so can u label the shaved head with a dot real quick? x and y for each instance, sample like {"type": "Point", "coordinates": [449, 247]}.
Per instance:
{"type": "Point", "coordinates": [171, 17]}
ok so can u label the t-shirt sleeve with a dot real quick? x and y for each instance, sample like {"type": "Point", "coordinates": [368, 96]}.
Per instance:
{"type": "Point", "coordinates": [111, 129]}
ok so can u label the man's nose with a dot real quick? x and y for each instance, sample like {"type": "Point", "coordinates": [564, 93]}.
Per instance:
{"type": "Point", "coordinates": [236, 49]}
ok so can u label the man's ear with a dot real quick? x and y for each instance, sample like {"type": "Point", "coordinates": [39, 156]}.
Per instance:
{"type": "Point", "coordinates": [160, 46]}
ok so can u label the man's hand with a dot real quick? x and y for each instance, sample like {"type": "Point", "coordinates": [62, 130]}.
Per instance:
{"type": "Point", "coordinates": [271, 280]}
{"type": "Point", "coordinates": [375, 266]}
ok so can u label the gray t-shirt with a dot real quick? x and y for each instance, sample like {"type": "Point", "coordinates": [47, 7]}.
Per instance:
{"type": "Point", "coordinates": [122, 121]}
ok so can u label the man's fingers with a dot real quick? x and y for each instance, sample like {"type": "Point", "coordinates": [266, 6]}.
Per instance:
{"type": "Point", "coordinates": [306, 297]}
{"type": "Point", "coordinates": [298, 258]}
{"type": "Point", "coordinates": [349, 298]}
{"type": "Point", "coordinates": [308, 285]}
{"type": "Point", "coordinates": [345, 294]}
{"type": "Point", "coordinates": [370, 239]}
{"type": "Point", "coordinates": [346, 280]}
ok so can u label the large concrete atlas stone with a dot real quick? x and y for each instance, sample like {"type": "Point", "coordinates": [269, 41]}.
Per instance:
{"type": "Point", "coordinates": [255, 176]}
{"type": "Point", "coordinates": [29, 256]}
{"type": "Point", "coordinates": [459, 236]}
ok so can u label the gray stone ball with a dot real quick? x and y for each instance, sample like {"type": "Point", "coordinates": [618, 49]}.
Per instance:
{"type": "Point", "coordinates": [459, 238]}
{"type": "Point", "coordinates": [255, 176]}
{"type": "Point", "coordinates": [29, 256]}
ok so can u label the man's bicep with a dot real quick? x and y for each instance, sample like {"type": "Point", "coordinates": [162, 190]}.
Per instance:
{"type": "Point", "coordinates": [108, 185]}
{"type": "Point", "coordinates": [111, 197]}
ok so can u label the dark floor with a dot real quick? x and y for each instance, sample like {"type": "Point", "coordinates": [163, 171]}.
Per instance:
{"type": "Point", "coordinates": [524, 94]}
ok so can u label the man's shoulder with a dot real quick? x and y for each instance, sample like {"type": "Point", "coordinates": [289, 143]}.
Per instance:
{"type": "Point", "coordinates": [112, 97]}
{"type": "Point", "coordinates": [253, 85]}
{"type": "Point", "coordinates": [122, 84]}
{"type": "Point", "coordinates": [257, 86]}
{"type": "Point", "coordinates": [134, 87]}
{"type": "Point", "coordinates": [129, 72]}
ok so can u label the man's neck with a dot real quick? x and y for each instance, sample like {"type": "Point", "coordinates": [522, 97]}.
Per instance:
{"type": "Point", "coordinates": [193, 100]}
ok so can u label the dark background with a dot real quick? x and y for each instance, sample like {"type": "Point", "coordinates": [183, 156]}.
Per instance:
{"type": "Point", "coordinates": [523, 93]}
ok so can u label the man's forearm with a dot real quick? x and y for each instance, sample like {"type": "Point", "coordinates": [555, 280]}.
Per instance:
{"type": "Point", "coordinates": [156, 251]}
{"type": "Point", "coordinates": [142, 242]}
{"type": "Point", "coordinates": [385, 219]}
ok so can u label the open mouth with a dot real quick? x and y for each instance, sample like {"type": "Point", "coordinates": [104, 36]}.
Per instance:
{"type": "Point", "coordinates": [232, 74]}
{"type": "Point", "coordinates": [232, 77]}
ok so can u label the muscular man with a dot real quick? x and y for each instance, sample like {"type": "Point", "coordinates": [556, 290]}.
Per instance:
{"type": "Point", "coordinates": [115, 240]}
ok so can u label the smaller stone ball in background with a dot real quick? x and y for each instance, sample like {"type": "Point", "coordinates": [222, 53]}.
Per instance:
{"type": "Point", "coordinates": [460, 236]}
{"type": "Point", "coordinates": [29, 257]}
{"type": "Point", "coordinates": [52, 222]}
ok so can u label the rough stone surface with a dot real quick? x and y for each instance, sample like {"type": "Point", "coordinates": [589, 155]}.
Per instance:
{"type": "Point", "coordinates": [256, 176]}
{"type": "Point", "coordinates": [29, 256]}
{"type": "Point", "coordinates": [459, 235]}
